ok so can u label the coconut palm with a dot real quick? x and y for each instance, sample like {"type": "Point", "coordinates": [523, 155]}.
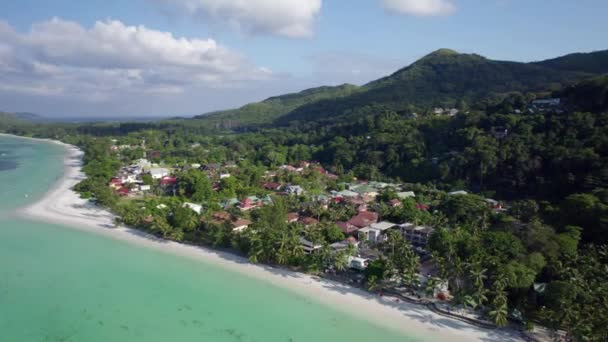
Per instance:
{"type": "Point", "coordinates": [341, 261]}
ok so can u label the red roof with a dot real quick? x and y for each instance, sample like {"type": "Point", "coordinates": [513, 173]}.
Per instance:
{"type": "Point", "coordinates": [123, 191]}
{"type": "Point", "coordinates": [168, 180]}
{"type": "Point", "coordinates": [422, 206]}
{"type": "Point", "coordinates": [309, 221]}
{"type": "Point", "coordinates": [364, 219]}
{"type": "Point", "coordinates": [292, 217]}
{"type": "Point", "coordinates": [346, 227]}
{"type": "Point", "coordinates": [272, 186]}
{"type": "Point", "coordinates": [115, 181]}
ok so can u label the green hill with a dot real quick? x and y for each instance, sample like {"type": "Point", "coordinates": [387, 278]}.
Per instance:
{"type": "Point", "coordinates": [272, 108]}
{"type": "Point", "coordinates": [443, 78]}
{"type": "Point", "coordinates": [592, 62]}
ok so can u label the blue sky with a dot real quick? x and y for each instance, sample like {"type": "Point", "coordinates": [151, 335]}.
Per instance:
{"type": "Point", "coordinates": [184, 57]}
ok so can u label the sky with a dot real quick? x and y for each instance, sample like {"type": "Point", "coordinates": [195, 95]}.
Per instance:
{"type": "Point", "coordinates": [130, 58]}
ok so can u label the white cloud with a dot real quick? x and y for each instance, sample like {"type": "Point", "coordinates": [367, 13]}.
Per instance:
{"type": "Point", "coordinates": [110, 59]}
{"type": "Point", "coordinates": [288, 18]}
{"type": "Point", "coordinates": [420, 7]}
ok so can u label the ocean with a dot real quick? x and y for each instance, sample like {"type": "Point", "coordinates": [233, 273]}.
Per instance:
{"type": "Point", "coordinates": [62, 284]}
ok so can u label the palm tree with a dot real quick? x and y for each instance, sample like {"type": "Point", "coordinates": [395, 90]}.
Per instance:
{"type": "Point", "coordinates": [341, 261]}
{"type": "Point", "coordinates": [499, 315]}
{"type": "Point", "coordinates": [256, 249]}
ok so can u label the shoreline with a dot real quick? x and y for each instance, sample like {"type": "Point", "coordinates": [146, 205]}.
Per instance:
{"type": "Point", "coordinates": [60, 205]}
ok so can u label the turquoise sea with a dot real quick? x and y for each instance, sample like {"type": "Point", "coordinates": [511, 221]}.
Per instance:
{"type": "Point", "coordinates": [61, 284]}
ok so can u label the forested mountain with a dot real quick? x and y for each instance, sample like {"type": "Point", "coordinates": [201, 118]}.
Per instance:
{"type": "Point", "coordinates": [592, 62]}
{"type": "Point", "coordinates": [444, 78]}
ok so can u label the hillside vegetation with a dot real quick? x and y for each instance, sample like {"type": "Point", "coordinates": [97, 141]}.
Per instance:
{"type": "Point", "coordinates": [444, 78]}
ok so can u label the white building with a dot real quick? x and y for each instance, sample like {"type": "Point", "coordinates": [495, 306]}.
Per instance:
{"type": "Point", "coordinates": [159, 172]}
{"type": "Point", "coordinates": [195, 207]}
{"type": "Point", "coordinates": [376, 232]}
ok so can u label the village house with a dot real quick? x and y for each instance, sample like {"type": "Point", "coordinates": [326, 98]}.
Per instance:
{"type": "Point", "coordinates": [347, 228]}
{"type": "Point", "coordinates": [249, 203]}
{"type": "Point", "coordinates": [357, 263]}
{"type": "Point", "coordinates": [308, 246]}
{"type": "Point", "coordinates": [406, 194]}
{"type": "Point", "coordinates": [363, 219]}
{"type": "Point", "coordinates": [159, 172]}
{"type": "Point", "coordinates": [168, 181]}
{"type": "Point", "coordinates": [272, 186]}
{"type": "Point", "coordinates": [240, 225]}
{"type": "Point", "coordinates": [416, 235]}
{"type": "Point", "coordinates": [344, 244]}
{"type": "Point", "coordinates": [197, 208]}
{"type": "Point", "coordinates": [395, 203]}
{"type": "Point", "coordinates": [308, 221]}
{"type": "Point", "coordinates": [376, 232]}
{"type": "Point", "coordinates": [294, 190]}
{"type": "Point", "coordinates": [292, 217]}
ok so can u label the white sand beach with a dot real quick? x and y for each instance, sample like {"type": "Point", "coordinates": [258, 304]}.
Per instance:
{"type": "Point", "coordinates": [63, 206]}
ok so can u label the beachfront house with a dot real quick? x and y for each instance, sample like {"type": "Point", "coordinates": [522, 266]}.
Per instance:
{"type": "Point", "coordinates": [358, 263]}
{"type": "Point", "coordinates": [376, 232]}
{"type": "Point", "coordinates": [308, 246]}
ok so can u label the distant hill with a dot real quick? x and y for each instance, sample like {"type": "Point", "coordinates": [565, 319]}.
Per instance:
{"type": "Point", "coordinates": [272, 108]}
{"type": "Point", "coordinates": [443, 78]}
{"type": "Point", "coordinates": [592, 62]}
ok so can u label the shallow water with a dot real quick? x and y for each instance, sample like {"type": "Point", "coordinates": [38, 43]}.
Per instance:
{"type": "Point", "coordinates": [61, 284]}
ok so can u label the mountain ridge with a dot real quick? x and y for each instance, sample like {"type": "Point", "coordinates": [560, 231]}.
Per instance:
{"type": "Point", "coordinates": [443, 77]}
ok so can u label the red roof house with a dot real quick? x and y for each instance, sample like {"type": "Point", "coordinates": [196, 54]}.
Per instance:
{"type": "Point", "coordinates": [166, 181]}
{"type": "Point", "coordinates": [363, 219]}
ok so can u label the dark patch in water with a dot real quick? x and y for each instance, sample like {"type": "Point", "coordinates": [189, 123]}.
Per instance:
{"type": "Point", "coordinates": [124, 327]}
{"type": "Point", "coordinates": [8, 164]}
{"type": "Point", "coordinates": [100, 323]}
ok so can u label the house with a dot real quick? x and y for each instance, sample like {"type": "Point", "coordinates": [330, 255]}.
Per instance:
{"type": "Point", "coordinates": [221, 216]}
{"type": "Point", "coordinates": [493, 204]}
{"type": "Point", "coordinates": [416, 235]}
{"type": "Point", "coordinates": [159, 172]}
{"type": "Point", "coordinates": [124, 192]}
{"type": "Point", "coordinates": [230, 203]}
{"type": "Point", "coordinates": [347, 228]}
{"type": "Point", "coordinates": [362, 208]}
{"type": "Point", "coordinates": [346, 194]}
{"type": "Point", "coordinates": [294, 190]}
{"type": "Point", "coordinates": [240, 225]}
{"type": "Point", "coordinates": [406, 194]}
{"type": "Point", "coordinates": [272, 186]}
{"type": "Point", "coordinates": [363, 219]}
{"type": "Point", "coordinates": [547, 102]}
{"type": "Point", "coordinates": [308, 246]}
{"type": "Point", "coordinates": [342, 245]}
{"type": "Point", "coordinates": [394, 203]}
{"type": "Point", "coordinates": [358, 263]}
{"type": "Point", "coordinates": [197, 208]}
{"type": "Point", "coordinates": [143, 163]}
{"type": "Point", "coordinates": [292, 217]}
{"type": "Point", "coordinates": [224, 175]}
{"type": "Point", "coordinates": [423, 207]}
{"type": "Point", "coordinates": [249, 203]}
{"type": "Point", "coordinates": [459, 192]}
{"type": "Point", "coordinates": [309, 221]}
{"type": "Point", "coordinates": [115, 183]}
{"type": "Point", "coordinates": [145, 188]}
{"type": "Point", "coordinates": [366, 190]}
{"type": "Point", "coordinates": [168, 181]}
{"type": "Point", "coordinates": [376, 232]}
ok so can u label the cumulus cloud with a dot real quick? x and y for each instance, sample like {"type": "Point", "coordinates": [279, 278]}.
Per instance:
{"type": "Point", "coordinates": [288, 18]}
{"type": "Point", "coordinates": [420, 7]}
{"type": "Point", "coordinates": [63, 58]}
